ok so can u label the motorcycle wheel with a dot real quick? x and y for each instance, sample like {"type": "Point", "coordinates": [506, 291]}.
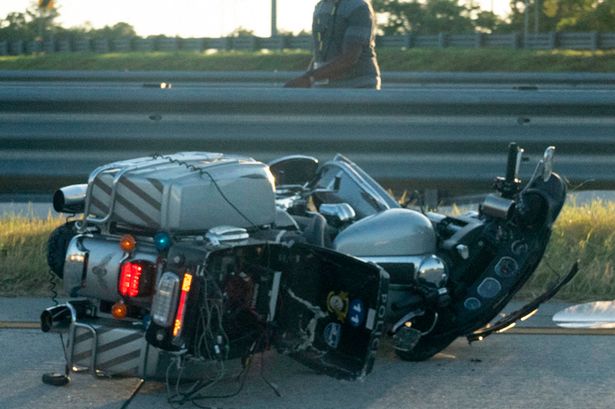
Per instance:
{"type": "Point", "coordinates": [57, 244]}
{"type": "Point", "coordinates": [426, 348]}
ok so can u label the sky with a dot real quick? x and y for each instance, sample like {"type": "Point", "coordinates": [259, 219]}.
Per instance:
{"type": "Point", "coordinates": [191, 18]}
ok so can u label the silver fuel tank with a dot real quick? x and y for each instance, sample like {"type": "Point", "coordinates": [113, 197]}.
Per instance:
{"type": "Point", "coordinates": [393, 232]}
{"type": "Point", "coordinates": [401, 241]}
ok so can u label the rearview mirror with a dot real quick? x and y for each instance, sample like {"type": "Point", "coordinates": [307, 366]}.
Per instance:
{"type": "Point", "coordinates": [293, 170]}
{"type": "Point", "coordinates": [547, 163]}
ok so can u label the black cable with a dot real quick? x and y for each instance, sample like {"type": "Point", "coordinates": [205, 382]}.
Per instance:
{"type": "Point", "coordinates": [133, 394]}
{"type": "Point", "coordinates": [178, 400]}
{"type": "Point", "coordinates": [52, 288]}
{"type": "Point", "coordinates": [271, 385]}
{"type": "Point", "coordinates": [242, 380]}
{"type": "Point", "coordinates": [54, 299]}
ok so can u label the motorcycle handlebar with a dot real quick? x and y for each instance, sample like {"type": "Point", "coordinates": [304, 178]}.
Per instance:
{"type": "Point", "coordinates": [511, 163]}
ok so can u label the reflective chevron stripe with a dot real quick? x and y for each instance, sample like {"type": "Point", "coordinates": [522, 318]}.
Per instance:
{"type": "Point", "coordinates": [87, 335]}
{"type": "Point", "coordinates": [138, 201]}
{"type": "Point", "coordinates": [152, 201]}
{"type": "Point", "coordinates": [122, 364]}
{"type": "Point", "coordinates": [104, 347]}
{"type": "Point", "coordinates": [119, 351]}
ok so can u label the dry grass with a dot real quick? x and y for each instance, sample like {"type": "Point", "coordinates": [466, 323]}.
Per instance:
{"type": "Point", "coordinates": [584, 232]}
{"type": "Point", "coordinates": [23, 249]}
{"type": "Point", "coordinates": [587, 233]}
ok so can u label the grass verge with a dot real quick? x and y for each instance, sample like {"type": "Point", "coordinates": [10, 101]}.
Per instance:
{"type": "Point", "coordinates": [23, 251]}
{"type": "Point", "coordinates": [468, 60]}
{"type": "Point", "coordinates": [584, 232]}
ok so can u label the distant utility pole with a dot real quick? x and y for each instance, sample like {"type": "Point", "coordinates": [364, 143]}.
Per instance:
{"type": "Point", "coordinates": [274, 18]}
{"type": "Point", "coordinates": [536, 16]}
{"type": "Point", "coordinates": [44, 7]}
{"type": "Point", "coordinates": [526, 20]}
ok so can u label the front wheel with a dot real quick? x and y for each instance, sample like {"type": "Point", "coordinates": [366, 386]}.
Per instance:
{"type": "Point", "coordinates": [57, 244]}
{"type": "Point", "coordinates": [427, 347]}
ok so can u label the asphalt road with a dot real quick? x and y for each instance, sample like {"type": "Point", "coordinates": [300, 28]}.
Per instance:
{"type": "Point", "coordinates": [505, 371]}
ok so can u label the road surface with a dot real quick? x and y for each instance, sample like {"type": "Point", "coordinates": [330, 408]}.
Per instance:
{"type": "Point", "coordinates": [504, 371]}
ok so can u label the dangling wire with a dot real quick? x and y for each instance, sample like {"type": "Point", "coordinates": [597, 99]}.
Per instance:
{"type": "Point", "coordinates": [52, 287]}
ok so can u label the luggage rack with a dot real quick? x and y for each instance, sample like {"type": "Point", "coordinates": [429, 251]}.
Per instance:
{"type": "Point", "coordinates": [156, 161]}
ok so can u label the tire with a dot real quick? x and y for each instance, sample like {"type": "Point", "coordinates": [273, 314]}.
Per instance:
{"type": "Point", "coordinates": [57, 244]}
{"type": "Point", "coordinates": [426, 348]}
{"type": "Point", "coordinates": [55, 379]}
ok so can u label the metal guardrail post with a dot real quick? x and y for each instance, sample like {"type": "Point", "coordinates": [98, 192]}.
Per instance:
{"type": "Point", "coordinates": [552, 40]}
{"type": "Point", "coordinates": [443, 40]}
{"type": "Point", "coordinates": [595, 41]}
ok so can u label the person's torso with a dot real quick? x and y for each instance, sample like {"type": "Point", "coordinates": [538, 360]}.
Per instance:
{"type": "Point", "coordinates": [330, 24]}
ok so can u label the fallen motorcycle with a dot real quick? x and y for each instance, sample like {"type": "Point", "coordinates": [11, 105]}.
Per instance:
{"type": "Point", "coordinates": [201, 258]}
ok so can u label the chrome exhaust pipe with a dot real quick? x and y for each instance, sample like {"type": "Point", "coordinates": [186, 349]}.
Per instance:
{"type": "Point", "coordinates": [57, 319]}
{"type": "Point", "coordinates": [70, 199]}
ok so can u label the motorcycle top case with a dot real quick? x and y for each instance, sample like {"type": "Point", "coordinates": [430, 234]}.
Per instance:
{"type": "Point", "coordinates": [183, 192]}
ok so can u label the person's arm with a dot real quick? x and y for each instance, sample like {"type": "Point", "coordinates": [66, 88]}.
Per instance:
{"type": "Point", "coordinates": [333, 70]}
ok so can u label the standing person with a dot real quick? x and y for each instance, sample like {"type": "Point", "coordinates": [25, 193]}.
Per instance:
{"type": "Point", "coordinates": [344, 47]}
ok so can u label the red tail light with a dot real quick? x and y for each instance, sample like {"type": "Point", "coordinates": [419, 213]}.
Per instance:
{"type": "Point", "coordinates": [181, 308]}
{"type": "Point", "coordinates": [136, 278]}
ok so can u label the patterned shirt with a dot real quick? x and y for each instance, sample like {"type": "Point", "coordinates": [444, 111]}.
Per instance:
{"type": "Point", "coordinates": [338, 23]}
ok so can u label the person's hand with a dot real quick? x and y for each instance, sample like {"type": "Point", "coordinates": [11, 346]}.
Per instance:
{"type": "Point", "coordinates": [299, 82]}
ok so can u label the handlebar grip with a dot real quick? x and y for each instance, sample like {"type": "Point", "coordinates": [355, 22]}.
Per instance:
{"type": "Point", "coordinates": [511, 163]}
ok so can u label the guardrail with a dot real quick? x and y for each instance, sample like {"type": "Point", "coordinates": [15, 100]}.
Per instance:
{"type": "Point", "coordinates": [269, 78]}
{"type": "Point", "coordinates": [407, 139]}
{"type": "Point", "coordinates": [543, 41]}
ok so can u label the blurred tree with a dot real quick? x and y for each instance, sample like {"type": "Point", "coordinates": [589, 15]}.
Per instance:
{"type": "Point", "coordinates": [599, 17]}
{"type": "Point", "coordinates": [563, 15]}
{"type": "Point", "coordinates": [241, 32]}
{"type": "Point", "coordinates": [434, 16]}
{"type": "Point", "coordinates": [16, 26]}
{"type": "Point", "coordinates": [30, 24]}
{"type": "Point", "coordinates": [39, 20]}
{"type": "Point", "coordinates": [487, 22]}
{"type": "Point", "coordinates": [114, 32]}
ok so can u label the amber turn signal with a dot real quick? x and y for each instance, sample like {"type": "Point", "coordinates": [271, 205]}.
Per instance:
{"type": "Point", "coordinates": [119, 310]}
{"type": "Point", "coordinates": [128, 243]}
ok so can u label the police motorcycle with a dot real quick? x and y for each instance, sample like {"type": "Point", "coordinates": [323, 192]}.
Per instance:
{"type": "Point", "coordinates": [179, 265]}
{"type": "Point", "coordinates": [196, 259]}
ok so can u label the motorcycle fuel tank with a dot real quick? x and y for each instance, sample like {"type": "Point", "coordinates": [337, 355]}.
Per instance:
{"type": "Point", "coordinates": [393, 232]}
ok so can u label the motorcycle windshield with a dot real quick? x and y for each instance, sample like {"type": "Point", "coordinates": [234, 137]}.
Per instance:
{"type": "Point", "coordinates": [343, 181]}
